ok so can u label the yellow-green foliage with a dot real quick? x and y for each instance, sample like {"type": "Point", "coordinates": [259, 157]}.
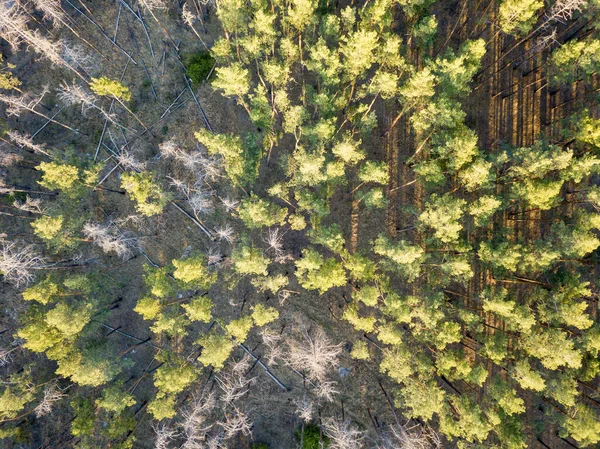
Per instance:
{"type": "Point", "coordinates": [148, 307]}
{"type": "Point", "coordinates": [264, 315]}
{"type": "Point", "coordinates": [106, 87]}
{"type": "Point", "coordinates": [518, 16]}
{"type": "Point", "coordinates": [115, 399]}
{"type": "Point", "coordinates": [173, 378]}
{"type": "Point", "coordinates": [15, 395]}
{"type": "Point", "coordinates": [257, 213]}
{"type": "Point", "coordinates": [148, 195]}
{"type": "Point", "coordinates": [368, 295]}
{"type": "Point", "coordinates": [360, 351]}
{"type": "Point", "coordinates": [396, 363]}
{"type": "Point", "coordinates": [215, 350]}
{"type": "Point", "coordinates": [239, 164]}
{"type": "Point", "coordinates": [42, 292]}
{"type": "Point", "coordinates": [272, 283]}
{"type": "Point", "coordinates": [8, 80]}
{"type": "Point", "coordinates": [250, 260]}
{"type": "Point", "coordinates": [240, 328]}
{"type": "Point", "coordinates": [317, 273]}
{"type": "Point", "coordinates": [199, 309]}
{"type": "Point", "coordinates": [47, 227]}
{"type": "Point", "coordinates": [70, 321]}
{"type": "Point", "coordinates": [297, 222]}
{"type": "Point", "coordinates": [58, 176]}
{"type": "Point", "coordinates": [364, 324]}
{"type": "Point", "coordinates": [162, 407]}
{"type": "Point", "coordinates": [194, 270]}
{"type": "Point", "coordinates": [348, 150]}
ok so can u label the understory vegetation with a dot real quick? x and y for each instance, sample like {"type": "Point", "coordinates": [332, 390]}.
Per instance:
{"type": "Point", "coordinates": [303, 224]}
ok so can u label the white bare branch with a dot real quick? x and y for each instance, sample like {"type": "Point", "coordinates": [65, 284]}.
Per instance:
{"type": "Point", "coordinates": [235, 423]}
{"type": "Point", "coordinates": [52, 11]}
{"type": "Point", "coordinates": [52, 394]}
{"type": "Point", "coordinates": [413, 437]}
{"type": "Point", "coordinates": [18, 262]}
{"type": "Point", "coordinates": [195, 425]}
{"type": "Point", "coordinates": [304, 409]}
{"type": "Point", "coordinates": [343, 434]}
{"type": "Point", "coordinates": [26, 141]}
{"type": "Point", "coordinates": [110, 239]}
{"type": "Point", "coordinates": [233, 382]}
{"type": "Point", "coordinates": [31, 205]}
{"type": "Point", "coordinates": [226, 233]}
{"type": "Point", "coordinates": [314, 354]}
{"type": "Point", "coordinates": [164, 435]}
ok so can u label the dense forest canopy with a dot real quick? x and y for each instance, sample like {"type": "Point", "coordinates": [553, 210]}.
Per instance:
{"type": "Point", "coordinates": [299, 224]}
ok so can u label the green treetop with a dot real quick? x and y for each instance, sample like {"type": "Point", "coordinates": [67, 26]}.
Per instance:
{"type": "Point", "coordinates": [250, 260]}
{"type": "Point", "coordinates": [264, 315]}
{"type": "Point", "coordinates": [194, 271]}
{"type": "Point", "coordinates": [443, 214]}
{"type": "Point", "coordinates": [62, 177]}
{"type": "Point", "coordinates": [47, 227]}
{"type": "Point", "coordinates": [199, 309]}
{"type": "Point", "coordinates": [215, 350]}
{"type": "Point", "coordinates": [518, 16]}
{"type": "Point", "coordinates": [256, 213]}
{"type": "Point", "coordinates": [316, 273]}
{"type": "Point", "coordinates": [173, 376]}
{"type": "Point", "coordinates": [240, 328]}
{"type": "Point", "coordinates": [112, 88]}
{"type": "Point", "coordinates": [149, 197]}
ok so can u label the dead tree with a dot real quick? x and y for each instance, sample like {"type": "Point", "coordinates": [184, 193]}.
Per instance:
{"type": "Point", "coordinates": [52, 394]}
{"type": "Point", "coordinates": [315, 355]}
{"type": "Point", "coordinates": [26, 141]}
{"type": "Point", "coordinates": [342, 434]}
{"type": "Point", "coordinates": [111, 240]}
{"type": "Point", "coordinates": [18, 262]}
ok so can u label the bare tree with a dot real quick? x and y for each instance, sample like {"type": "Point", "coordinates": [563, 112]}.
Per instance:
{"type": "Point", "coordinates": [128, 160]}
{"type": "Point", "coordinates": [199, 200]}
{"type": "Point", "coordinates": [189, 18]}
{"type": "Point", "coordinates": [230, 204]}
{"type": "Point", "coordinates": [272, 341]}
{"type": "Point", "coordinates": [26, 141]}
{"type": "Point", "coordinates": [304, 408]}
{"type": "Point", "coordinates": [326, 389]}
{"type": "Point", "coordinates": [563, 10]}
{"type": "Point", "coordinates": [202, 166]}
{"type": "Point", "coordinates": [52, 394]}
{"type": "Point", "coordinates": [13, 28]}
{"type": "Point", "coordinates": [409, 437]}
{"type": "Point", "coordinates": [8, 158]}
{"type": "Point", "coordinates": [195, 421]}
{"type": "Point", "coordinates": [110, 239]}
{"type": "Point", "coordinates": [343, 434]}
{"type": "Point", "coordinates": [226, 233]}
{"type": "Point", "coordinates": [164, 435]}
{"type": "Point", "coordinates": [52, 11]}
{"type": "Point", "coordinates": [18, 262]}
{"type": "Point", "coordinates": [27, 102]}
{"type": "Point", "coordinates": [30, 205]}
{"type": "Point", "coordinates": [233, 382]}
{"type": "Point", "coordinates": [274, 240]}
{"type": "Point", "coordinates": [236, 422]}
{"type": "Point", "coordinates": [313, 354]}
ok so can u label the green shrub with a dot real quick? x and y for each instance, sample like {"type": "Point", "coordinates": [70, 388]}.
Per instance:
{"type": "Point", "coordinates": [198, 66]}
{"type": "Point", "coordinates": [312, 437]}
